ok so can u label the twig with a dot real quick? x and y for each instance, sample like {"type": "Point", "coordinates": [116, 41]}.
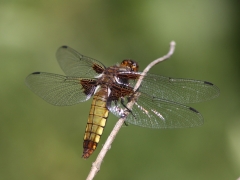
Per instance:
{"type": "Point", "coordinates": [96, 165]}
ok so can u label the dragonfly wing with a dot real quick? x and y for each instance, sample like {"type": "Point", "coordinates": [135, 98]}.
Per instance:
{"type": "Point", "coordinates": [177, 90]}
{"type": "Point", "coordinates": [76, 64]}
{"type": "Point", "coordinates": [158, 113]}
{"type": "Point", "coordinates": [161, 113]}
{"type": "Point", "coordinates": [60, 90]}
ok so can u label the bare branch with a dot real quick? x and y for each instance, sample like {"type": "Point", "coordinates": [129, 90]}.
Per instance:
{"type": "Point", "coordinates": [96, 165]}
{"type": "Point", "coordinates": [167, 56]}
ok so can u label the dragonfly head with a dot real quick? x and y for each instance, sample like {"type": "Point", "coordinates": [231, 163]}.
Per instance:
{"type": "Point", "coordinates": [130, 64]}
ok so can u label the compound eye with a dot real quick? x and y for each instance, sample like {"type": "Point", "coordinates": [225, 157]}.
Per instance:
{"type": "Point", "coordinates": [124, 62]}
{"type": "Point", "coordinates": [130, 64]}
{"type": "Point", "coordinates": [134, 67]}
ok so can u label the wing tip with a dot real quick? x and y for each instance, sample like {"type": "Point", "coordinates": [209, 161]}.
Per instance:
{"type": "Point", "coordinates": [209, 83]}
{"type": "Point", "coordinates": [36, 72]}
{"type": "Point", "coordinates": [194, 110]}
{"type": "Point", "coordinates": [217, 90]}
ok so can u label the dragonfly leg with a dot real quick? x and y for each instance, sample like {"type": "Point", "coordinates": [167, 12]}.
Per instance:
{"type": "Point", "coordinates": [126, 124]}
{"type": "Point", "coordinates": [127, 109]}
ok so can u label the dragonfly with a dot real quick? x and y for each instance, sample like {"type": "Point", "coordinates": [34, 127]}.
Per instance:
{"type": "Point", "coordinates": [160, 101]}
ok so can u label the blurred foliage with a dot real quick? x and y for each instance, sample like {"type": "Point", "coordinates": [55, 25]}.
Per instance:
{"type": "Point", "coordinates": [40, 141]}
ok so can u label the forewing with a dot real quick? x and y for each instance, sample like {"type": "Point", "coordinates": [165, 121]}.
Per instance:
{"type": "Point", "coordinates": [76, 64]}
{"type": "Point", "coordinates": [176, 90]}
{"type": "Point", "coordinates": [60, 90]}
{"type": "Point", "coordinates": [158, 113]}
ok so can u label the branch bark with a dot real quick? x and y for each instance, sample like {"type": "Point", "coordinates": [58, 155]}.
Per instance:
{"type": "Point", "coordinates": [96, 165]}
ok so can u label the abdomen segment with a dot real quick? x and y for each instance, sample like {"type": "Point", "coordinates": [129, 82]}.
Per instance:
{"type": "Point", "coordinates": [96, 122]}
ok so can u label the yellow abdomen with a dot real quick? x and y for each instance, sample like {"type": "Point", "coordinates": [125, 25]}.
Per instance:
{"type": "Point", "coordinates": [96, 122]}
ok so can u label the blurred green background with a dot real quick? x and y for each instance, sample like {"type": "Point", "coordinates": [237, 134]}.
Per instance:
{"type": "Point", "coordinates": [40, 141]}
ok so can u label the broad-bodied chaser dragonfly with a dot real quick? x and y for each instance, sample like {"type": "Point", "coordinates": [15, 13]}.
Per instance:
{"type": "Point", "coordinates": [159, 105]}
